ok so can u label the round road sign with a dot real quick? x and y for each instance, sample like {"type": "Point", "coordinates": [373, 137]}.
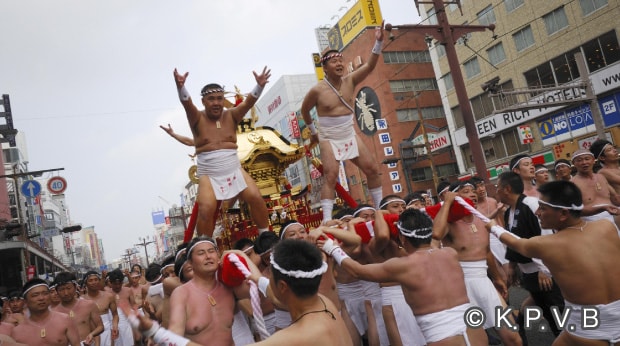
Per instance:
{"type": "Point", "coordinates": [57, 185]}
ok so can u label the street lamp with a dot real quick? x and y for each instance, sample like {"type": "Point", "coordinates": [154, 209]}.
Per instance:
{"type": "Point", "coordinates": [144, 243]}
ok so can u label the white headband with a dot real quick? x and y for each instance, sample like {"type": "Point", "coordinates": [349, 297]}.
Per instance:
{"type": "Point", "coordinates": [189, 252]}
{"type": "Point", "coordinates": [561, 164]}
{"type": "Point", "coordinates": [391, 201]}
{"type": "Point", "coordinates": [345, 216]}
{"type": "Point", "coordinates": [209, 91]}
{"type": "Point", "coordinates": [156, 279]}
{"type": "Point", "coordinates": [459, 186]}
{"type": "Point", "coordinates": [518, 161]}
{"type": "Point", "coordinates": [572, 207]}
{"type": "Point", "coordinates": [543, 169]}
{"type": "Point", "coordinates": [164, 267]}
{"type": "Point", "coordinates": [580, 153]}
{"type": "Point", "coordinates": [414, 232]}
{"type": "Point", "coordinates": [37, 285]}
{"type": "Point", "coordinates": [287, 226]}
{"type": "Point", "coordinates": [181, 270]}
{"type": "Point", "coordinates": [413, 200]}
{"type": "Point", "coordinates": [179, 253]}
{"type": "Point", "coordinates": [362, 209]}
{"type": "Point", "coordinates": [444, 190]}
{"type": "Point", "coordinates": [299, 274]}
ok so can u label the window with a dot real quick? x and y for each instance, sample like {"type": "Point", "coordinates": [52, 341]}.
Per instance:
{"type": "Point", "coordinates": [482, 106]}
{"type": "Point", "coordinates": [523, 38]}
{"type": "Point", "coordinates": [486, 16]}
{"type": "Point", "coordinates": [406, 57]}
{"type": "Point", "coordinates": [511, 5]}
{"type": "Point", "coordinates": [497, 148]}
{"type": "Point", "coordinates": [411, 114]}
{"type": "Point", "coordinates": [472, 67]}
{"type": "Point", "coordinates": [555, 20]}
{"type": "Point", "coordinates": [405, 85]}
{"type": "Point", "coordinates": [589, 6]}
{"type": "Point", "coordinates": [458, 117]}
{"type": "Point", "coordinates": [441, 50]}
{"type": "Point", "coordinates": [432, 16]}
{"type": "Point", "coordinates": [425, 173]}
{"type": "Point", "coordinates": [601, 51]}
{"type": "Point", "coordinates": [496, 54]}
{"type": "Point", "coordinates": [447, 79]}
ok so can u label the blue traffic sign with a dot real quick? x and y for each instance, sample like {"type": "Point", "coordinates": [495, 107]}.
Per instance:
{"type": "Point", "coordinates": [31, 188]}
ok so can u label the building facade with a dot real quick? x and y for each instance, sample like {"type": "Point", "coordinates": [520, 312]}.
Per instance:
{"type": "Point", "coordinates": [536, 103]}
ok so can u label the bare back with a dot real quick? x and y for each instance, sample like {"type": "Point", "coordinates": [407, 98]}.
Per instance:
{"type": "Point", "coordinates": [584, 263]}
{"type": "Point", "coordinates": [432, 280]}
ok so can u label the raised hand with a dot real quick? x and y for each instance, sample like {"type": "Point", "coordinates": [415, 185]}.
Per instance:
{"type": "Point", "coordinates": [167, 129]}
{"type": "Point", "coordinates": [179, 79]}
{"type": "Point", "coordinates": [379, 31]}
{"type": "Point", "coordinates": [261, 79]}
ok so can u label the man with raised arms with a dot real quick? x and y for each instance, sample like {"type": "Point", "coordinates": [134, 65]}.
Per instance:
{"type": "Point", "coordinates": [431, 280]}
{"type": "Point", "coordinates": [82, 312]}
{"type": "Point", "coordinates": [589, 276]}
{"type": "Point", "coordinates": [215, 138]}
{"type": "Point", "coordinates": [334, 98]}
{"type": "Point", "coordinates": [43, 326]}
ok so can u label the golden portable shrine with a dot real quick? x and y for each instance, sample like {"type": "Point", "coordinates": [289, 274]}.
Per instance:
{"type": "Point", "coordinates": [264, 154]}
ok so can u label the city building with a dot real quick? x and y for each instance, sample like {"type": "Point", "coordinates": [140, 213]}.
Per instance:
{"type": "Point", "coordinates": [523, 80]}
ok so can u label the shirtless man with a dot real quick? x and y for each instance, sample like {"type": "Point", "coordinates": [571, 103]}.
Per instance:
{"type": "Point", "coordinates": [607, 155]}
{"type": "Point", "coordinates": [82, 312]}
{"type": "Point", "coordinates": [431, 279]}
{"type": "Point", "coordinates": [202, 309]}
{"type": "Point", "coordinates": [215, 138]}
{"type": "Point", "coordinates": [317, 321]}
{"type": "Point", "coordinates": [563, 170]}
{"type": "Point", "coordinates": [43, 326]}
{"type": "Point", "coordinates": [15, 312]}
{"type": "Point", "coordinates": [590, 279]}
{"type": "Point", "coordinates": [599, 198]}
{"type": "Point", "coordinates": [541, 174]}
{"type": "Point", "coordinates": [106, 304]}
{"type": "Point", "coordinates": [334, 101]}
{"type": "Point", "coordinates": [522, 165]}
{"type": "Point", "coordinates": [137, 291]}
{"type": "Point", "coordinates": [121, 293]}
{"type": "Point", "coordinates": [471, 243]}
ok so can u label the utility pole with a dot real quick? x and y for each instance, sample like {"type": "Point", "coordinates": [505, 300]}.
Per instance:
{"type": "Point", "coordinates": [427, 144]}
{"type": "Point", "coordinates": [446, 34]}
{"type": "Point", "coordinates": [144, 243]}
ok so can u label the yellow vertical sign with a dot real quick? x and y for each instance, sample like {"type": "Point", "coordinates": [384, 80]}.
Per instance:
{"type": "Point", "coordinates": [318, 68]}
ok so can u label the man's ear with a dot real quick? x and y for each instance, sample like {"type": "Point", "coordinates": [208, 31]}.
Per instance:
{"type": "Point", "coordinates": [282, 287]}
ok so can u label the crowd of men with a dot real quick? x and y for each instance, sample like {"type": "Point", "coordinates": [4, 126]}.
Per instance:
{"type": "Point", "coordinates": [402, 271]}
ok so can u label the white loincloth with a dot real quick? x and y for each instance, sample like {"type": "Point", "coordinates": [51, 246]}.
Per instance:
{"type": "Point", "coordinates": [125, 334]}
{"type": "Point", "coordinates": [340, 133]}
{"type": "Point", "coordinates": [224, 170]}
{"type": "Point", "coordinates": [352, 294]}
{"type": "Point", "coordinates": [156, 290]}
{"type": "Point", "coordinates": [105, 338]}
{"type": "Point", "coordinates": [282, 318]}
{"type": "Point", "coordinates": [444, 324]}
{"type": "Point", "coordinates": [410, 332]}
{"type": "Point", "coordinates": [499, 250]}
{"type": "Point", "coordinates": [372, 292]}
{"type": "Point", "coordinates": [241, 332]}
{"type": "Point", "coordinates": [480, 289]}
{"type": "Point", "coordinates": [608, 318]}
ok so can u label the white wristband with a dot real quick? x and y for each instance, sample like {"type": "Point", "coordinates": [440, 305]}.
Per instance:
{"type": "Point", "coordinates": [183, 94]}
{"type": "Point", "coordinates": [257, 91]}
{"type": "Point", "coordinates": [151, 331]}
{"type": "Point", "coordinates": [497, 231]}
{"type": "Point", "coordinates": [164, 337]}
{"type": "Point", "coordinates": [339, 255]}
{"type": "Point", "coordinates": [263, 283]}
{"type": "Point", "coordinates": [376, 49]}
{"type": "Point", "coordinates": [312, 128]}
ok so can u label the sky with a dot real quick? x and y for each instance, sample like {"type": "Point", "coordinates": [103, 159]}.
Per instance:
{"type": "Point", "coordinates": [91, 81]}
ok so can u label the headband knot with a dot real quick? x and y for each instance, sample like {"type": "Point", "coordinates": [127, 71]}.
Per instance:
{"type": "Point", "coordinates": [420, 233]}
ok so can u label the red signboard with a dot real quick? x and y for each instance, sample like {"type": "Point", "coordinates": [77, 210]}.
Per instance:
{"type": "Point", "coordinates": [30, 272]}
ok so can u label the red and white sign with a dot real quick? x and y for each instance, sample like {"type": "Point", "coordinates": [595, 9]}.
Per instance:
{"type": "Point", "coordinates": [57, 185]}
{"type": "Point", "coordinates": [294, 125]}
{"type": "Point", "coordinates": [525, 134]}
{"type": "Point", "coordinates": [30, 272]}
